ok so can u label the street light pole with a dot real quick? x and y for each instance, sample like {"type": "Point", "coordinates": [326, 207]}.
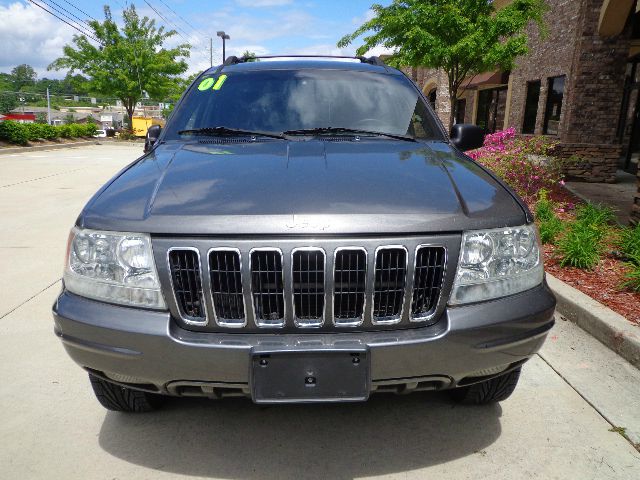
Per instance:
{"type": "Point", "coordinates": [48, 107]}
{"type": "Point", "coordinates": [224, 38]}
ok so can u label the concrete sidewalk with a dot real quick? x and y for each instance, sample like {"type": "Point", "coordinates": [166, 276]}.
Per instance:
{"type": "Point", "coordinates": [617, 195]}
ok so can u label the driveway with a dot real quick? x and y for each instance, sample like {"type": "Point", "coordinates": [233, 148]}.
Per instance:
{"type": "Point", "coordinates": [557, 425]}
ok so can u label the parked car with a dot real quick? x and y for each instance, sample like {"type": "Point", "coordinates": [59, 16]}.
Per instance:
{"type": "Point", "coordinates": [100, 134]}
{"type": "Point", "coordinates": [303, 230]}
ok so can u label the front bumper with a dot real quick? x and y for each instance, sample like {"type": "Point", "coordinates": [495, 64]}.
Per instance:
{"type": "Point", "coordinates": [147, 350]}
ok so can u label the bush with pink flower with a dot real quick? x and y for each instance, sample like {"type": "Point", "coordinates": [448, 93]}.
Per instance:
{"type": "Point", "coordinates": [526, 164]}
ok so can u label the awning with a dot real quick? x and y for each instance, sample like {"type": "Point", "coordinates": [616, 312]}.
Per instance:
{"type": "Point", "coordinates": [486, 79]}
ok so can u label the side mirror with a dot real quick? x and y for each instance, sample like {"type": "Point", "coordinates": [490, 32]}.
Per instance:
{"type": "Point", "coordinates": [153, 133]}
{"type": "Point", "coordinates": [467, 137]}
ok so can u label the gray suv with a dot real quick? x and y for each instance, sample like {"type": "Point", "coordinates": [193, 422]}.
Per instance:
{"type": "Point", "coordinates": [303, 230]}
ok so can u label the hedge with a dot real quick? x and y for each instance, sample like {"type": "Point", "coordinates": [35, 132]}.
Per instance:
{"type": "Point", "coordinates": [21, 133]}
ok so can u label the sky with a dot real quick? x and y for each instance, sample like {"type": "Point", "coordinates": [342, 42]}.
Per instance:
{"type": "Point", "coordinates": [30, 35]}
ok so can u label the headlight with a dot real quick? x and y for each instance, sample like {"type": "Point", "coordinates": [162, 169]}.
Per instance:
{"type": "Point", "coordinates": [113, 267]}
{"type": "Point", "coordinates": [496, 263]}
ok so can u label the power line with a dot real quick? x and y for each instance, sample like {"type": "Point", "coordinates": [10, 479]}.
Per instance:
{"type": "Point", "coordinates": [62, 8]}
{"type": "Point", "coordinates": [80, 10]}
{"type": "Point", "coordinates": [63, 20]}
{"type": "Point", "coordinates": [195, 30]}
{"type": "Point", "coordinates": [167, 21]}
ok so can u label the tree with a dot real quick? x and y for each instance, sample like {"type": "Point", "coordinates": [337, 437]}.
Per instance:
{"type": "Point", "coordinates": [462, 37]}
{"type": "Point", "coordinates": [8, 101]}
{"type": "Point", "coordinates": [131, 60]}
{"type": "Point", "coordinates": [250, 56]}
{"type": "Point", "coordinates": [23, 75]}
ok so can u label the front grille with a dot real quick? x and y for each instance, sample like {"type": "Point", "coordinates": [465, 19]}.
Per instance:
{"type": "Point", "coordinates": [308, 286]}
{"type": "Point", "coordinates": [349, 280]}
{"type": "Point", "coordinates": [332, 287]}
{"type": "Point", "coordinates": [267, 287]}
{"type": "Point", "coordinates": [184, 265]}
{"type": "Point", "coordinates": [226, 287]}
{"type": "Point", "coordinates": [427, 281]}
{"type": "Point", "coordinates": [389, 286]}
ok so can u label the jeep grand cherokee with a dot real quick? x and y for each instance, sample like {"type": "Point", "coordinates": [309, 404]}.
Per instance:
{"type": "Point", "coordinates": [303, 230]}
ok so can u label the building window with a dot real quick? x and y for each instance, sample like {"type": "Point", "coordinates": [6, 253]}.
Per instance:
{"type": "Point", "coordinates": [531, 107]}
{"type": "Point", "coordinates": [461, 107]}
{"type": "Point", "coordinates": [491, 109]}
{"type": "Point", "coordinates": [554, 106]}
{"type": "Point", "coordinates": [432, 97]}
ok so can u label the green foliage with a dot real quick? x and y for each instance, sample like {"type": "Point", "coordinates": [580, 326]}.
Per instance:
{"type": "Point", "coordinates": [462, 37]}
{"type": "Point", "coordinates": [632, 277]}
{"type": "Point", "coordinates": [133, 58]}
{"type": "Point", "coordinates": [21, 133]}
{"type": "Point", "coordinates": [595, 216]}
{"type": "Point", "coordinates": [8, 101]}
{"type": "Point", "coordinates": [41, 117]}
{"type": "Point", "coordinates": [13, 132]}
{"type": "Point", "coordinates": [580, 247]}
{"type": "Point", "coordinates": [23, 75]}
{"type": "Point", "coordinates": [69, 119]}
{"type": "Point", "coordinates": [629, 242]}
{"type": "Point", "coordinates": [583, 244]}
{"type": "Point", "coordinates": [549, 225]}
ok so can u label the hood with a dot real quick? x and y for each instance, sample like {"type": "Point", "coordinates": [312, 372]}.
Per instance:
{"type": "Point", "coordinates": [302, 187]}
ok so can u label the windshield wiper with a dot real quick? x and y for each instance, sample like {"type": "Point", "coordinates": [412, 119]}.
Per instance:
{"type": "Point", "coordinates": [338, 130]}
{"type": "Point", "coordinates": [226, 131]}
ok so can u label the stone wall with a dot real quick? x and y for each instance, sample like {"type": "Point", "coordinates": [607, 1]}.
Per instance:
{"type": "Point", "coordinates": [549, 56]}
{"type": "Point", "coordinates": [591, 162]}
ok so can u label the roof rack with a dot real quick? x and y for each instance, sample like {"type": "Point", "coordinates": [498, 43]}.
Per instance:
{"type": "Point", "coordinates": [233, 60]}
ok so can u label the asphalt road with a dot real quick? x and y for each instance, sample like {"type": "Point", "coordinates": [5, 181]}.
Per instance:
{"type": "Point", "coordinates": [556, 426]}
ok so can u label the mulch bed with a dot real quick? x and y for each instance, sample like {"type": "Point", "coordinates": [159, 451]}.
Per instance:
{"type": "Point", "coordinates": [603, 282]}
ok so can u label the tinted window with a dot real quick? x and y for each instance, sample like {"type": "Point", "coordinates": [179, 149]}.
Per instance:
{"type": "Point", "coordinates": [280, 100]}
{"type": "Point", "coordinates": [554, 106]}
{"type": "Point", "coordinates": [531, 107]}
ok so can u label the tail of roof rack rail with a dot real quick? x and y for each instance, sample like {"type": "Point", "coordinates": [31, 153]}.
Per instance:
{"type": "Point", "coordinates": [233, 60]}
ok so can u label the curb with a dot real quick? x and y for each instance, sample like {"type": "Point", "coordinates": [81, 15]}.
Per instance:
{"type": "Point", "coordinates": [609, 327]}
{"type": "Point", "coordinates": [38, 148]}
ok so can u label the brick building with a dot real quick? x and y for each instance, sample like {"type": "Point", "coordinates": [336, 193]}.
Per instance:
{"type": "Point", "coordinates": [579, 84]}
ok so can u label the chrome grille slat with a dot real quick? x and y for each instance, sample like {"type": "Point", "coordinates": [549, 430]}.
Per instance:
{"type": "Point", "coordinates": [267, 287]}
{"type": "Point", "coordinates": [307, 276]}
{"type": "Point", "coordinates": [186, 280]}
{"type": "Point", "coordinates": [389, 284]}
{"type": "Point", "coordinates": [428, 275]}
{"type": "Point", "coordinates": [373, 285]}
{"type": "Point", "coordinates": [225, 270]}
{"type": "Point", "coordinates": [349, 279]}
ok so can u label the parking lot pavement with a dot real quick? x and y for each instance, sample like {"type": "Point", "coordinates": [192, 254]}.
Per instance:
{"type": "Point", "coordinates": [52, 427]}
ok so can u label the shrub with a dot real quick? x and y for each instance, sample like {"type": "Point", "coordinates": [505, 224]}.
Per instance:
{"type": "Point", "coordinates": [90, 129]}
{"type": "Point", "coordinates": [580, 247]}
{"type": "Point", "coordinates": [549, 225]}
{"type": "Point", "coordinates": [629, 243]}
{"type": "Point", "coordinates": [14, 132]}
{"type": "Point", "coordinates": [64, 131]}
{"type": "Point", "coordinates": [522, 163]}
{"type": "Point", "coordinates": [583, 244]}
{"type": "Point", "coordinates": [632, 277]}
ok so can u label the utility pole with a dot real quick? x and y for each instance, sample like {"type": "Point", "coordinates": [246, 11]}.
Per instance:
{"type": "Point", "coordinates": [211, 51]}
{"type": "Point", "coordinates": [224, 38]}
{"type": "Point", "coordinates": [48, 107]}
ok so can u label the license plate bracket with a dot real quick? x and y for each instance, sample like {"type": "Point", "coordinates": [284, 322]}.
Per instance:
{"type": "Point", "coordinates": [310, 376]}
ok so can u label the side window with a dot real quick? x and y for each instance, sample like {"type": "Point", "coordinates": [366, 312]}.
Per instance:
{"type": "Point", "coordinates": [531, 107]}
{"type": "Point", "coordinates": [552, 113]}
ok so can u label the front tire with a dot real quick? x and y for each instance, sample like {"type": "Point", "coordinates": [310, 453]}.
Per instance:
{"type": "Point", "coordinates": [122, 399]}
{"type": "Point", "coordinates": [491, 391]}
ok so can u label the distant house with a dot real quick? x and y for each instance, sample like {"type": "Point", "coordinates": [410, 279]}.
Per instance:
{"type": "Point", "coordinates": [19, 117]}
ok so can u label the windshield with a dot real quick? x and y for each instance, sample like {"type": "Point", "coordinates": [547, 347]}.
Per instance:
{"type": "Point", "coordinates": [283, 100]}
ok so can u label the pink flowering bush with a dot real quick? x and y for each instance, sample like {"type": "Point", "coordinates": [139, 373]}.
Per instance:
{"type": "Point", "coordinates": [526, 164]}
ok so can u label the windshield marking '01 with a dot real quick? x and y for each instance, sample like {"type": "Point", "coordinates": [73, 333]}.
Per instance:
{"type": "Point", "coordinates": [282, 100]}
